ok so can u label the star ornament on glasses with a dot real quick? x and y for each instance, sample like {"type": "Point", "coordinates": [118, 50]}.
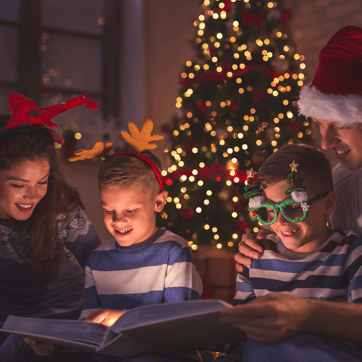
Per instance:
{"type": "Point", "coordinates": [293, 166]}
{"type": "Point", "coordinates": [251, 173]}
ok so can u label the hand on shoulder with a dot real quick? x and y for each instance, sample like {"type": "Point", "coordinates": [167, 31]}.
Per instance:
{"type": "Point", "coordinates": [249, 248]}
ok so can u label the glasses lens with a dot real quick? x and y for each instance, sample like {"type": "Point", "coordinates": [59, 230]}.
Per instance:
{"type": "Point", "coordinates": [265, 214]}
{"type": "Point", "coordinates": [294, 211]}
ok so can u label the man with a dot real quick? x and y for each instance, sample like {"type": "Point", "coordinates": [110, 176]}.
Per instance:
{"type": "Point", "coordinates": [334, 101]}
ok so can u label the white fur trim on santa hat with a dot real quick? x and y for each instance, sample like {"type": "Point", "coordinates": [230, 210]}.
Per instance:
{"type": "Point", "coordinates": [344, 110]}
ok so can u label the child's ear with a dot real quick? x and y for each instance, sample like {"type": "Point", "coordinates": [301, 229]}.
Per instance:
{"type": "Point", "coordinates": [330, 202]}
{"type": "Point", "coordinates": [160, 201]}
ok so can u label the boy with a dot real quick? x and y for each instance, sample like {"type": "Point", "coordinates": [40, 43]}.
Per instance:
{"type": "Point", "coordinates": [308, 260]}
{"type": "Point", "coordinates": [141, 264]}
{"type": "Point", "coordinates": [153, 265]}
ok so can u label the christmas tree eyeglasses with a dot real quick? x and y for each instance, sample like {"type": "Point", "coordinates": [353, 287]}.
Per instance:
{"type": "Point", "coordinates": [293, 211]}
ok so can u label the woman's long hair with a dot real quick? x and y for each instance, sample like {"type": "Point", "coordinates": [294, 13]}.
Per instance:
{"type": "Point", "coordinates": [44, 251]}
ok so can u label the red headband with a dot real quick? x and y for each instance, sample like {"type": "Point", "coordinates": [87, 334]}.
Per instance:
{"type": "Point", "coordinates": [147, 160]}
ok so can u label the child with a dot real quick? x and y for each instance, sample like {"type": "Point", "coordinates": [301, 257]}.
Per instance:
{"type": "Point", "coordinates": [141, 264]}
{"type": "Point", "coordinates": [308, 260]}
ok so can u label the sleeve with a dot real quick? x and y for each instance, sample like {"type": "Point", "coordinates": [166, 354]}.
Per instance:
{"type": "Point", "coordinates": [182, 280]}
{"type": "Point", "coordinates": [244, 290]}
{"type": "Point", "coordinates": [78, 235]}
{"type": "Point", "coordinates": [354, 271]}
{"type": "Point", "coordinates": [91, 299]}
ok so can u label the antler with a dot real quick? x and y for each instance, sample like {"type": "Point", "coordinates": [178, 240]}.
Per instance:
{"type": "Point", "coordinates": [141, 140]}
{"type": "Point", "coordinates": [21, 106]}
{"type": "Point", "coordinates": [98, 150]}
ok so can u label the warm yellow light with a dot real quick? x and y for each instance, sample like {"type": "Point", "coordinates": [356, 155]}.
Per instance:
{"type": "Point", "coordinates": [206, 226]}
{"type": "Point", "coordinates": [200, 182]}
{"type": "Point", "coordinates": [234, 215]}
{"type": "Point", "coordinates": [219, 35]}
{"type": "Point", "coordinates": [198, 210]}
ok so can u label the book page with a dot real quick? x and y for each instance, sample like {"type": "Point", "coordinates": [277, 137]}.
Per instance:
{"type": "Point", "coordinates": [67, 330]}
{"type": "Point", "coordinates": [156, 313]}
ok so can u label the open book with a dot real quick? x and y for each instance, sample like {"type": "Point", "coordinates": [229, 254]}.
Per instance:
{"type": "Point", "coordinates": [179, 327]}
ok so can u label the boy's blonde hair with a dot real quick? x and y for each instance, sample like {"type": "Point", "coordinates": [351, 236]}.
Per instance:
{"type": "Point", "coordinates": [313, 165]}
{"type": "Point", "coordinates": [126, 171]}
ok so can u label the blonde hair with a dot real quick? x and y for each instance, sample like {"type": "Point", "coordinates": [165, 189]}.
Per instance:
{"type": "Point", "coordinates": [126, 171]}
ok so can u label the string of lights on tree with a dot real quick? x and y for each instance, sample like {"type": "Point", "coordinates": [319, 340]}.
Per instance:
{"type": "Point", "coordinates": [237, 105]}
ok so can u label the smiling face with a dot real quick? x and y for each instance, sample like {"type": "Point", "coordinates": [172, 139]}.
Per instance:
{"type": "Point", "coordinates": [130, 214]}
{"type": "Point", "coordinates": [345, 141]}
{"type": "Point", "coordinates": [302, 236]}
{"type": "Point", "coordinates": [22, 187]}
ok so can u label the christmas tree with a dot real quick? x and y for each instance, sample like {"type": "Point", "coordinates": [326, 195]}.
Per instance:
{"type": "Point", "coordinates": [237, 105]}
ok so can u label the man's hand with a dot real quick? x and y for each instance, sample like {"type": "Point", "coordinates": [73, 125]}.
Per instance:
{"type": "Point", "coordinates": [107, 317]}
{"type": "Point", "coordinates": [271, 318]}
{"type": "Point", "coordinates": [40, 348]}
{"type": "Point", "coordinates": [249, 248]}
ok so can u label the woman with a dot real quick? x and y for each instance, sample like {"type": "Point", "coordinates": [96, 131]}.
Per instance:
{"type": "Point", "coordinates": [45, 235]}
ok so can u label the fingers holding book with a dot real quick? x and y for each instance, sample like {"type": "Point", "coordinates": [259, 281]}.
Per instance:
{"type": "Point", "coordinates": [40, 348]}
{"type": "Point", "coordinates": [107, 317]}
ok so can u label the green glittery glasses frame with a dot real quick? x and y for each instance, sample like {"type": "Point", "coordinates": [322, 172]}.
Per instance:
{"type": "Point", "coordinates": [294, 213]}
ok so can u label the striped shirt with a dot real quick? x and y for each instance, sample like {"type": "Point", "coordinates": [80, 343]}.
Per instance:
{"type": "Point", "coordinates": [157, 271]}
{"type": "Point", "coordinates": [331, 272]}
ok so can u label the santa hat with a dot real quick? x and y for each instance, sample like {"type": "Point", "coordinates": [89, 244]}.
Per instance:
{"type": "Point", "coordinates": [335, 93]}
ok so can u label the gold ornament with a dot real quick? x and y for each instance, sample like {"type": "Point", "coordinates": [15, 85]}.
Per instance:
{"type": "Point", "coordinates": [251, 173]}
{"type": "Point", "coordinates": [293, 166]}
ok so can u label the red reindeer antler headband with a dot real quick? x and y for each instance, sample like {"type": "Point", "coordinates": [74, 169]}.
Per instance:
{"type": "Point", "coordinates": [21, 120]}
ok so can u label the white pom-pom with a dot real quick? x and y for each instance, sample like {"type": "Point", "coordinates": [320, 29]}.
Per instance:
{"type": "Point", "coordinates": [299, 196]}
{"type": "Point", "coordinates": [256, 201]}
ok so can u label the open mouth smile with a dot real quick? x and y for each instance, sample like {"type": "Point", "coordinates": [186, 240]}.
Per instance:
{"type": "Point", "coordinates": [122, 232]}
{"type": "Point", "coordinates": [25, 207]}
{"type": "Point", "coordinates": [342, 154]}
{"type": "Point", "coordinates": [289, 233]}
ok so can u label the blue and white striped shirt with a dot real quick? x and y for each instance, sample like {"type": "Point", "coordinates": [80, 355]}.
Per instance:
{"type": "Point", "coordinates": [331, 272]}
{"type": "Point", "coordinates": [161, 270]}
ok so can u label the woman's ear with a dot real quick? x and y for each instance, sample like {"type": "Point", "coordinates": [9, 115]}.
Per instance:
{"type": "Point", "coordinates": [330, 202]}
{"type": "Point", "coordinates": [160, 201]}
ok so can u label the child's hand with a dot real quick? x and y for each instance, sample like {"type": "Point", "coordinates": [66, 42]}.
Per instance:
{"type": "Point", "coordinates": [107, 317]}
{"type": "Point", "coordinates": [41, 348]}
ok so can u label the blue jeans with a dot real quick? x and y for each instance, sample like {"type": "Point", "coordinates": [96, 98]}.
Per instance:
{"type": "Point", "coordinates": [299, 348]}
